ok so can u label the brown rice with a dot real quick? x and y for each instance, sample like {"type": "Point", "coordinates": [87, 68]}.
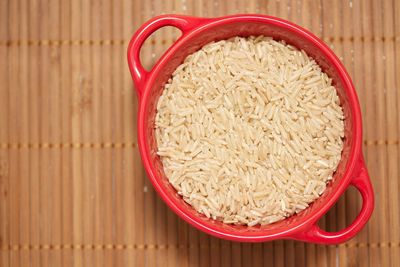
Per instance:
{"type": "Point", "coordinates": [249, 130]}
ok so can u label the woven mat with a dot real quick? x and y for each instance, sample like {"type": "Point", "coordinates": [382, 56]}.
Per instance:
{"type": "Point", "coordinates": [73, 191]}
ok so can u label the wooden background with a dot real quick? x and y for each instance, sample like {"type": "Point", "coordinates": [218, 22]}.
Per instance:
{"type": "Point", "coordinates": [72, 188]}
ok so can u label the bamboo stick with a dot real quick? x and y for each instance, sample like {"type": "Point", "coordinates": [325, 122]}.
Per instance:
{"type": "Point", "coordinates": [392, 117]}
{"type": "Point", "coordinates": [86, 114]}
{"type": "Point", "coordinates": [380, 122]}
{"type": "Point", "coordinates": [129, 164]}
{"type": "Point", "coordinates": [370, 115]}
{"type": "Point", "coordinates": [121, 207]}
{"type": "Point", "coordinates": [34, 118]}
{"type": "Point", "coordinates": [24, 136]}
{"type": "Point", "coordinates": [55, 133]}
{"type": "Point", "coordinates": [76, 156]}
{"type": "Point", "coordinates": [359, 82]}
{"type": "Point", "coordinates": [66, 134]}
{"type": "Point", "coordinates": [4, 138]}
{"type": "Point", "coordinates": [396, 19]}
{"type": "Point", "coordinates": [14, 112]}
{"type": "Point", "coordinates": [97, 135]}
{"type": "Point", "coordinates": [109, 173]}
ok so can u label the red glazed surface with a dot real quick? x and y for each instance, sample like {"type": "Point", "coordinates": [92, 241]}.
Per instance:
{"type": "Point", "coordinates": [197, 32]}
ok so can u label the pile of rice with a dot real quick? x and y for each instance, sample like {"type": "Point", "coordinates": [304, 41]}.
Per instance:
{"type": "Point", "coordinates": [249, 130]}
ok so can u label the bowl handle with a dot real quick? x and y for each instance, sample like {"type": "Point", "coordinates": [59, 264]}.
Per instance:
{"type": "Point", "coordinates": [183, 23]}
{"type": "Point", "coordinates": [362, 182]}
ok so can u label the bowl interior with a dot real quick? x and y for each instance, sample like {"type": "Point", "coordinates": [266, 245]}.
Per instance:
{"type": "Point", "coordinates": [195, 41]}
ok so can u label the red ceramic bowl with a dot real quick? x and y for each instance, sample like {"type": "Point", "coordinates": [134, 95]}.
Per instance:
{"type": "Point", "coordinates": [197, 32]}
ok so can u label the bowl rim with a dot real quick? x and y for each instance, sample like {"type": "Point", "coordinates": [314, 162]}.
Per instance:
{"type": "Point", "coordinates": [355, 151]}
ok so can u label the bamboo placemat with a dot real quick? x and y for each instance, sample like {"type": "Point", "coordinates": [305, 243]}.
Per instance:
{"type": "Point", "coordinates": [72, 188]}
